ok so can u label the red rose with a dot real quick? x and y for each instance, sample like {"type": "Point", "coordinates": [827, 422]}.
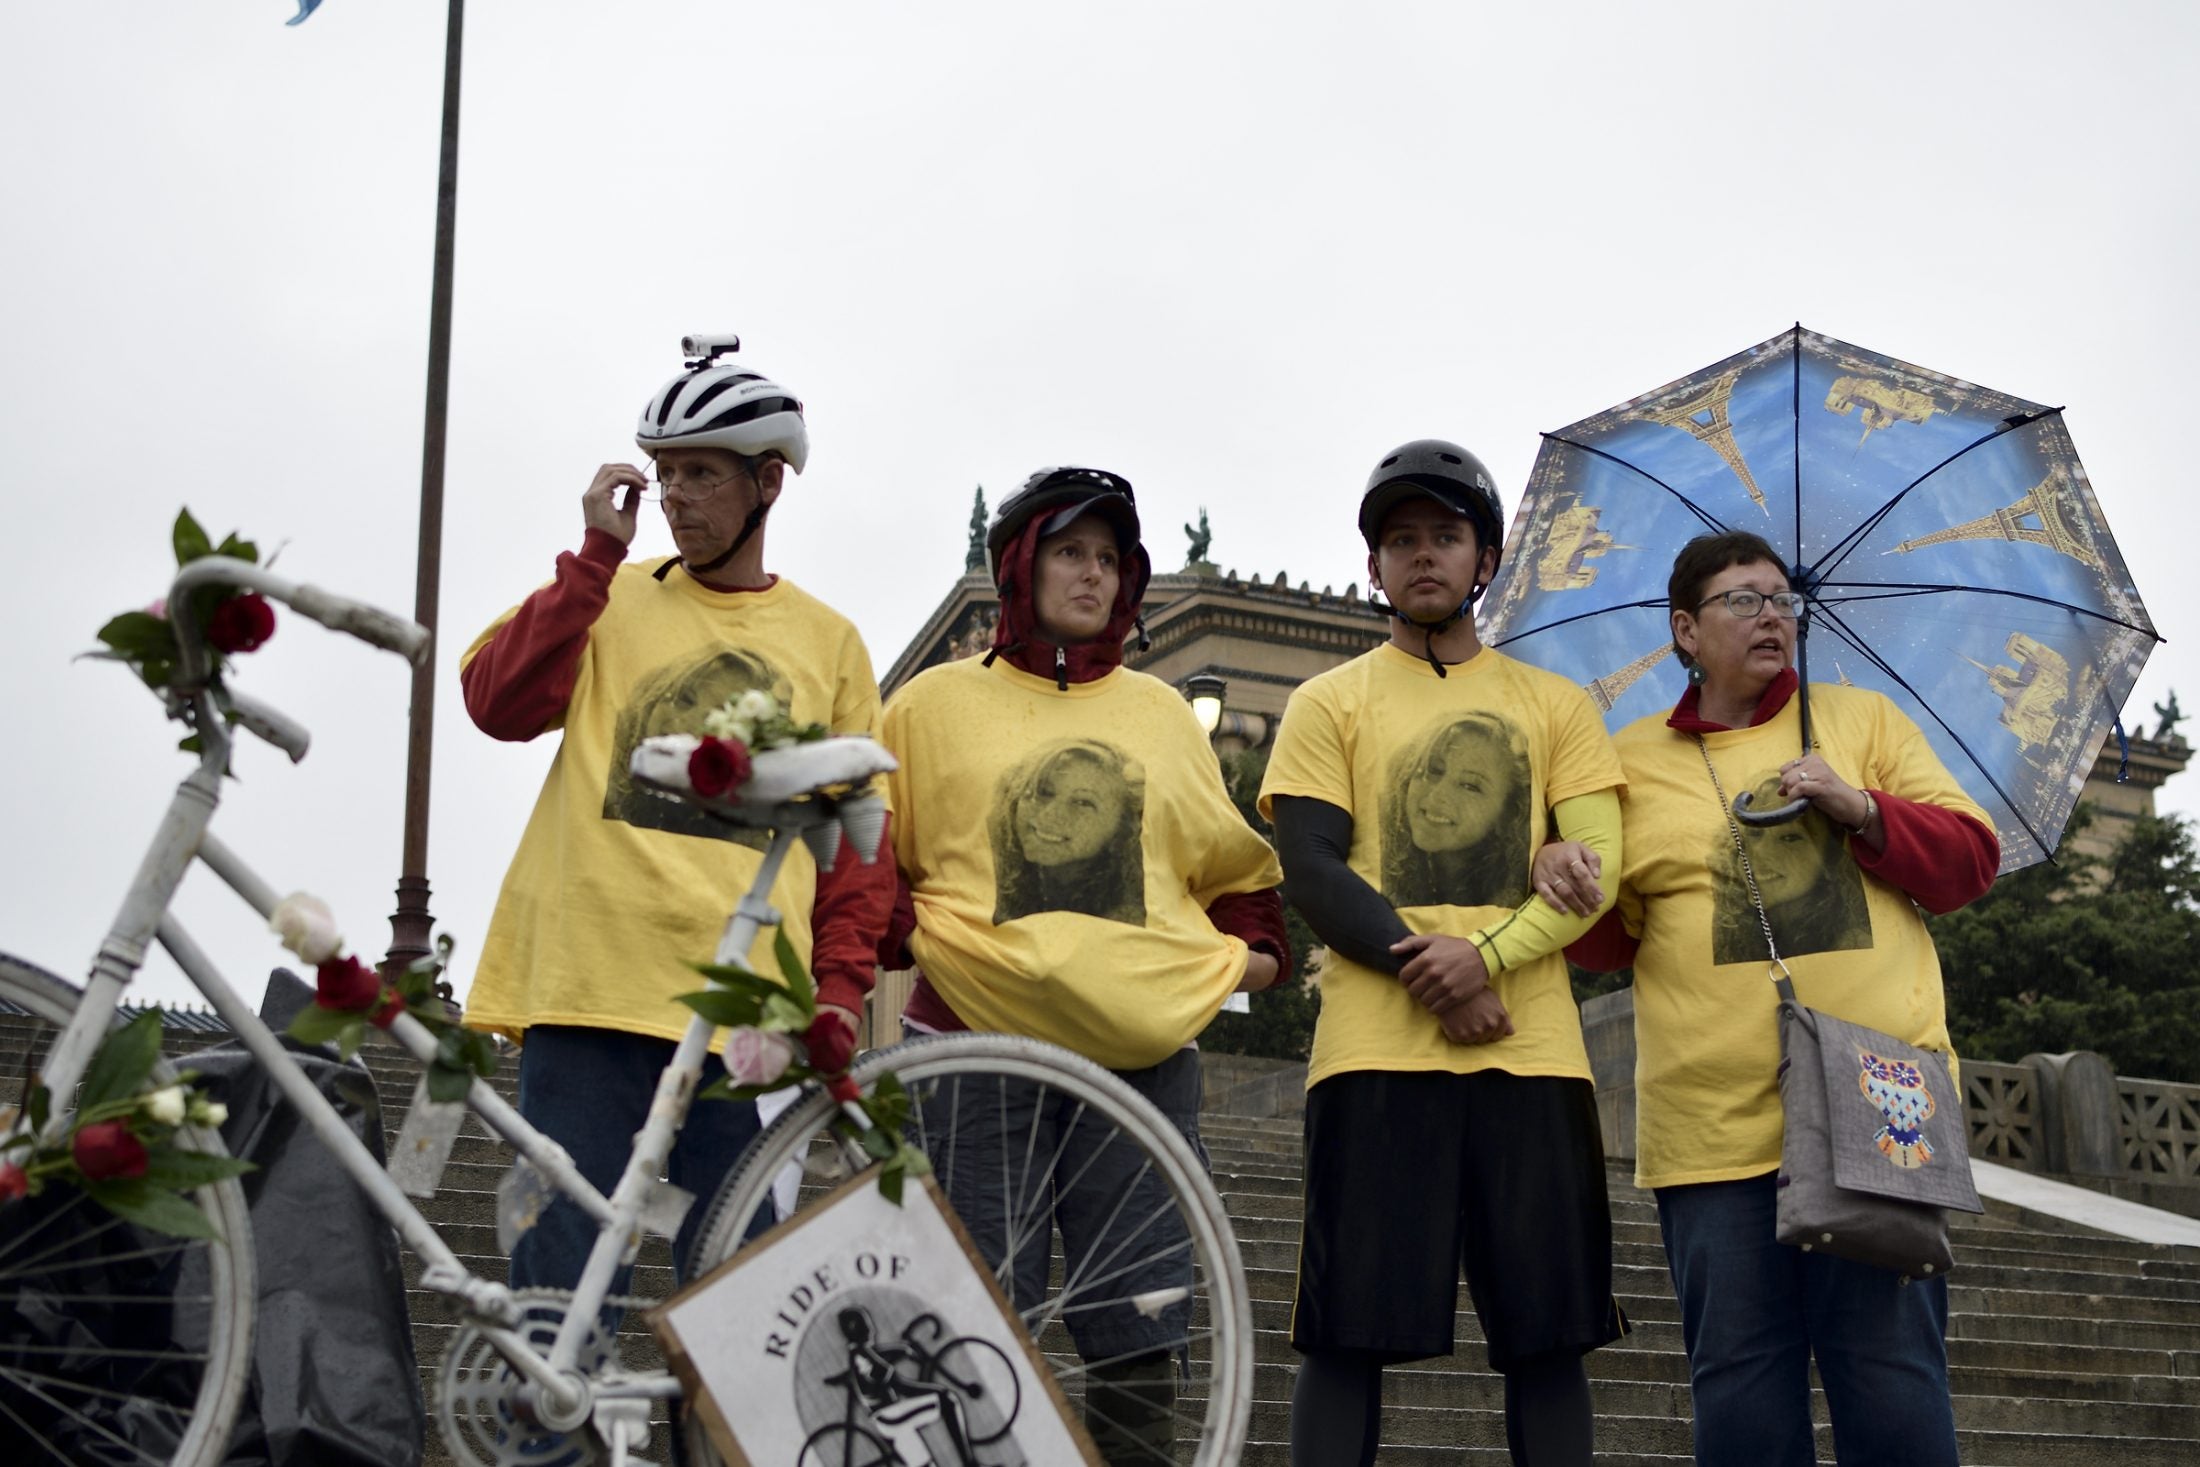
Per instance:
{"type": "Point", "coordinates": [14, 1182]}
{"type": "Point", "coordinates": [718, 765]}
{"type": "Point", "coordinates": [393, 1004]}
{"type": "Point", "coordinates": [241, 623]}
{"type": "Point", "coordinates": [107, 1151]}
{"type": "Point", "coordinates": [844, 1087]}
{"type": "Point", "coordinates": [831, 1043]}
{"type": "Point", "coordinates": [347, 984]}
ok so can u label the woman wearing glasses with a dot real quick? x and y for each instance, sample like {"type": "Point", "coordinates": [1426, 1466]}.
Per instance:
{"type": "Point", "coordinates": [1885, 831]}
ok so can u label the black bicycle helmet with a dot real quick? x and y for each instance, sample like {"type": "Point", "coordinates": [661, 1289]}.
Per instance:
{"type": "Point", "coordinates": [1063, 493]}
{"type": "Point", "coordinates": [1444, 472]}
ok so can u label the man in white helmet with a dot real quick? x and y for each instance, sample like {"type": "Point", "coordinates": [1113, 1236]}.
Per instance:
{"type": "Point", "coordinates": [614, 889]}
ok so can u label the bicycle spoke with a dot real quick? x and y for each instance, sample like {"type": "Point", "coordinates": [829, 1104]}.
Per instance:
{"type": "Point", "coordinates": [100, 1427]}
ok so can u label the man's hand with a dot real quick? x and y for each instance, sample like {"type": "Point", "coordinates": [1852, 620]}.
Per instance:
{"type": "Point", "coordinates": [1480, 1020]}
{"type": "Point", "coordinates": [602, 507]}
{"type": "Point", "coordinates": [831, 1039]}
{"type": "Point", "coordinates": [1566, 873]}
{"type": "Point", "coordinates": [1440, 971]}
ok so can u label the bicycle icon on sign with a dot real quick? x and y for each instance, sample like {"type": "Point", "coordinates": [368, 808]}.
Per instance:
{"type": "Point", "coordinates": [892, 1393]}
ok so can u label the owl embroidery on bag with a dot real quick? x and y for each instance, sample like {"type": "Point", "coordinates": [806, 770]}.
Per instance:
{"type": "Point", "coordinates": [1896, 1089]}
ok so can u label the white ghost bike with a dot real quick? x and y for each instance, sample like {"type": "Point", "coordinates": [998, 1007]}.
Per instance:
{"type": "Point", "coordinates": [123, 1346]}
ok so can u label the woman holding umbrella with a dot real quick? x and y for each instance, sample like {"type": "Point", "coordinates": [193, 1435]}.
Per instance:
{"type": "Point", "coordinates": [1883, 830]}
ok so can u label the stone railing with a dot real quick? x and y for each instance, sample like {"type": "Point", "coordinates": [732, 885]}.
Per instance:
{"type": "Point", "coordinates": [2070, 1115]}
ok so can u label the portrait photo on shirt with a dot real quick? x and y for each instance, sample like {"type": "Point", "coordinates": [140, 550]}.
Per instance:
{"type": "Point", "coordinates": [1457, 815]}
{"type": "Point", "coordinates": [1067, 829]}
{"type": "Point", "coordinates": [1812, 889]}
{"type": "Point", "coordinates": [674, 699]}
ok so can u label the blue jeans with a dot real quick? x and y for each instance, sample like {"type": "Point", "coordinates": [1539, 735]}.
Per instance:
{"type": "Point", "coordinates": [1754, 1311]}
{"type": "Point", "coordinates": [589, 1090]}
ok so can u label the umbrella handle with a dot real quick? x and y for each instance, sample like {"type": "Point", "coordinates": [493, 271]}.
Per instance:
{"type": "Point", "coordinates": [1781, 816]}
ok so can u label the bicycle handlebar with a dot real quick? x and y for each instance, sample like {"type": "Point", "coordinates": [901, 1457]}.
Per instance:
{"type": "Point", "coordinates": [369, 624]}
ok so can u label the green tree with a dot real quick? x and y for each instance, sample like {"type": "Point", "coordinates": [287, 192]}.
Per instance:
{"type": "Point", "coordinates": [2081, 955]}
{"type": "Point", "coordinates": [1281, 1025]}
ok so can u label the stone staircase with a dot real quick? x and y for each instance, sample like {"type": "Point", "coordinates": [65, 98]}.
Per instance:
{"type": "Point", "coordinates": [2067, 1348]}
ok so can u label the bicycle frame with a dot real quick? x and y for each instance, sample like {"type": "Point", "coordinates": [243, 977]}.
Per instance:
{"type": "Point", "coordinates": [183, 836]}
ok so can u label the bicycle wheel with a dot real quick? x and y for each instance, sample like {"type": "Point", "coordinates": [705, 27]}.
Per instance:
{"type": "Point", "coordinates": [991, 1393]}
{"type": "Point", "coordinates": [117, 1345]}
{"type": "Point", "coordinates": [1013, 1127]}
{"type": "Point", "coordinates": [846, 1446]}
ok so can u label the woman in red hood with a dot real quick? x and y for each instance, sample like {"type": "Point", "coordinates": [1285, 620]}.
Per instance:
{"type": "Point", "coordinates": [1076, 872]}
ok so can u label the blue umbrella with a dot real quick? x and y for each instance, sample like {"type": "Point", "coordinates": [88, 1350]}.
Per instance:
{"type": "Point", "coordinates": [1945, 535]}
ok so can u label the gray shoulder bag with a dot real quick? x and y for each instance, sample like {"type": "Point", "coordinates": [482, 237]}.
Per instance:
{"type": "Point", "coordinates": [1876, 1148]}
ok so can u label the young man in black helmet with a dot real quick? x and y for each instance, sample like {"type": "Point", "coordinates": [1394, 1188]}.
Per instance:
{"type": "Point", "coordinates": [1078, 874]}
{"type": "Point", "coordinates": [1450, 1117]}
{"type": "Point", "coordinates": [614, 890]}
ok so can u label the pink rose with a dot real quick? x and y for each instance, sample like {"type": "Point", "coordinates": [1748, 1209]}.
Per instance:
{"type": "Point", "coordinates": [347, 984]}
{"type": "Point", "coordinates": [14, 1182]}
{"type": "Point", "coordinates": [241, 623]}
{"type": "Point", "coordinates": [107, 1151]}
{"type": "Point", "coordinates": [718, 765]}
{"type": "Point", "coordinates": [757, 1056]}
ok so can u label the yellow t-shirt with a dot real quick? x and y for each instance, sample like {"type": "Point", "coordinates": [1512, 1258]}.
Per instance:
{"type": "Point", "coordinates": [614, 888]}
{"type": "Point", "coordinates": [1061, 848]}
{"type": "Point", "coordinates": [1448, 781]}
{"type": "Point", "coordinates": [1707, 1044]}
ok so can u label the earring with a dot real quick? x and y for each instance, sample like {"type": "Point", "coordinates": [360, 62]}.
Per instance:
{"type": "Point", "coordinates": [1695, 674]}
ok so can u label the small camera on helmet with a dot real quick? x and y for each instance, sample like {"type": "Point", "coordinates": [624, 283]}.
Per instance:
{"type": "Point", "coordinates": [707, 346]}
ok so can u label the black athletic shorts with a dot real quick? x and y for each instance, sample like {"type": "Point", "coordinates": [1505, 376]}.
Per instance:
{"type": "Point", "coordinates": [1412, 1176]}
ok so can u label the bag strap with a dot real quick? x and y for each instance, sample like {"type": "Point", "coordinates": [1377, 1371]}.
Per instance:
{"type": "Point", "coordinates": [1782, 979]}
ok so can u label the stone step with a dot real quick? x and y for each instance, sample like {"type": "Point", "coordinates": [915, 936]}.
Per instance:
{"type": "Point", "coordinates": [2066, 1346]}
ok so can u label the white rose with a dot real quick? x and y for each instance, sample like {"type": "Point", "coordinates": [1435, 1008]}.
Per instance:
{"type": "Point", "coordinates": [756, 705]}
{"type": "Point", "coordinates": [165, 1106]}
{"type": "Point", "coordinates": [208, 1113]}
{"type": "Point", "coordinates": [306, 927]}
{"type": "Point", "coordinates": [757, 1056]}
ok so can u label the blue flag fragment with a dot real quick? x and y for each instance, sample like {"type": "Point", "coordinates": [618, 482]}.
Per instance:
{"type": "Point", "coordinates": [305, 8]}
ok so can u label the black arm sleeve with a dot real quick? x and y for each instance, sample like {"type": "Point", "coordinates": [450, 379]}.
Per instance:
{"type": "Point", "coordinates": [1314, 843]}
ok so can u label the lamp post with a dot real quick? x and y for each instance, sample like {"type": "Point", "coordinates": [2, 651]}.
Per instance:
{"type": "Point", "coordinates": [411, 923]}
{"type": "Point", "coordinates": [1205, 692]}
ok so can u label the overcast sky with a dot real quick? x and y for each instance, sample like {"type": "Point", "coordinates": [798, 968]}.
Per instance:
{"type": "Point", "coordinates": [1233, 251]}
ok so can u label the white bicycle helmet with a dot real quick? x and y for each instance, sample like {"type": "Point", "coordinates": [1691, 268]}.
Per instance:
{"type": "Point", "coordinates": [724, 406]}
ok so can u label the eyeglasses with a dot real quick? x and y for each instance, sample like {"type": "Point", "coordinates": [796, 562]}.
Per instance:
{"type": "Point", "coordinates": [1743, 603]}
{"type": "Point", "coordinates": [693, 487]}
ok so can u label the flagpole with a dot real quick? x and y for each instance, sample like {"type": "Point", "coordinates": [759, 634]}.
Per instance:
{"type": "Point", "coordinates": [411, 924]}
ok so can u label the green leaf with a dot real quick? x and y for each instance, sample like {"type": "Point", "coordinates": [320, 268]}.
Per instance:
{"type": "Point", "coordinates": [448, 1082]}
{"type": "Point", "coordinates": [152, 1207]}
{"type": "Point", "coordinates": [140, 634]}
{"type": "Point", "coordinates": [890, 1178]}
{"type": "Point", "coordinates": [481, 1052]}
{"type": "Point", "coordinates": [41, 1108]}
{"type": "Point", "coordinates": [190, 541]}
{"type": "Point", "coordinates": [726, 1010]}
{"type": "Point", "coordinates": [799, 985]}
{"type": "Point", "coordinates": [238, 549]}
{"type": "Point", "coordinates": [785, 1015]}
{"type": "Point", "coordinates": [179, 1170]}
{"type": "Point", "coordinates": [123, 1063]}
{"type": "Point", "coordinates": [736, 977]}
{"type": "Point", "coordinates": [316, 1025]}
{"type": "Point", "coordinates": [878, 1145]}
{"type": "Point", "coordinates": [723, 1088]}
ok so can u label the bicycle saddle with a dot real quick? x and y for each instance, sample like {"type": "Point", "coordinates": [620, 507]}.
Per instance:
{"type": "Point", "coordinates": [819, 789]}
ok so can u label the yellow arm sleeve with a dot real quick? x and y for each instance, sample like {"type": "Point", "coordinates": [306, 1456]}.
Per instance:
{"type": "Point", "coordinates": [1534, 928]}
